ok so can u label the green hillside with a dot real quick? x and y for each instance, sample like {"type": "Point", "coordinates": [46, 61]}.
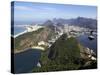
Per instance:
{"type": "Point", "coordinates": [32, 38]}
{"type": "Point", "coordinates": [64, 54]}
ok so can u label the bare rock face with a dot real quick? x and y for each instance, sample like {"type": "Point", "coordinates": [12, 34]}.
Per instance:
{"type": "Point", "coordinates": [24, 41]}
{"type": "Point", "coordinates": [43, 35]}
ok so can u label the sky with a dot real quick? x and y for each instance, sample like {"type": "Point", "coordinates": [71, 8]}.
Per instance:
{"type": "Point", "coordinates": [31, 12]}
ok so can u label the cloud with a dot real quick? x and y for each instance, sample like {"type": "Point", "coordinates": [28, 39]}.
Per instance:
{"type": "Point", "coordinates": [22, 8]}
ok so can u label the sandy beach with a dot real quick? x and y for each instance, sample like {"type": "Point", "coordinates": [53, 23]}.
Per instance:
{"type": "Point", "coordinates": [20, 33]}
{"type": "Point", "coordinates": [33, 47]}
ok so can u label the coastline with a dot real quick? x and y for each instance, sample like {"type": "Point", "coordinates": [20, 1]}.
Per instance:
{"type": "Point", "coordinates": [38, 47]}
{"type": "Point", "coordinates": [28, 29]}
{"type": "Point", "coordinates": [20, 33]}
{"type": "Point", "coordinates": [33, 47]}
{"type": "Point", "coordinates": [20, 51]}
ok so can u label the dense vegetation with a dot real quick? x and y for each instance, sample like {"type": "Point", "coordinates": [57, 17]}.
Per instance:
{"type": "Point", "coordinates": [32, 38]}
{"type": "Point", "coordinates": [64, 54]}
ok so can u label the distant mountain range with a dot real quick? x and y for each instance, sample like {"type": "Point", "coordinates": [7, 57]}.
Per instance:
{"type": "Point", "coordinates": [79, 21]}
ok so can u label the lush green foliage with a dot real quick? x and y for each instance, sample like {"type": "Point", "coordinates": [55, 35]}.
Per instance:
{"type": "Point", "coordinates": [32, 38]}
{"type": "Point", "coordinates": [64, 54]}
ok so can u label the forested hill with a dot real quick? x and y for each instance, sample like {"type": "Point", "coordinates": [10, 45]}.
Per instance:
{"type": "Point", "coordinates": [64, 54]}
{"type": "Point", "coordinates": [28, 39]}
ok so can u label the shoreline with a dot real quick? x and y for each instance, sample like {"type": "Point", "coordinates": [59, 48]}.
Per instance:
{"type": "Point", "coordinates": [33, 47]}
{"type": "Point", "coordinates": [38, 47]}
{"type": "Point", "coordinates": [27, 30]}
{"type": "Point", "coordinates": [21, 33]}
{"type": "Point", "coordinates": [20, 51]}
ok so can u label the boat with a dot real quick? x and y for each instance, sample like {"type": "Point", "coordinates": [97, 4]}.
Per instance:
{"type": "Point", "coordinates": [91, 37]}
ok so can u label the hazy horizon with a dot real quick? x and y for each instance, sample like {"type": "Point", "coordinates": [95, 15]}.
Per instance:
{"type": "Point", "coordinates": [31, 12]}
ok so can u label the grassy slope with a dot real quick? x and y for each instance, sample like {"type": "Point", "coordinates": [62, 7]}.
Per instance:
{"type": "Point", "coordinates": [32, 38]}
{"type": "Point", "coordinates": [22, 40]}
{"type": "Point", "coordinates": [63, 55]}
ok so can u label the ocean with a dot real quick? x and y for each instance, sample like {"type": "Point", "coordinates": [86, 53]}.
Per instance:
{"type": "Point", "coordinates": [18, 30]}
{"type": "Point", "coordinates": [91, 44]}
{"type": "Point", "coordinates": [25, 61]}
